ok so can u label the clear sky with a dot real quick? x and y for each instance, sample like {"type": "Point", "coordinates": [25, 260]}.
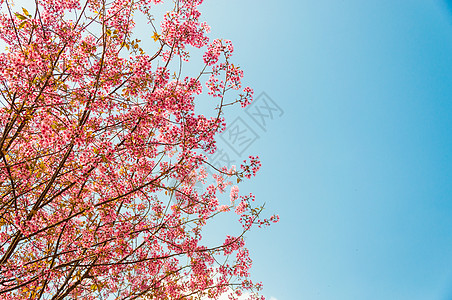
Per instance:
{"type": "Point", "coordinates": [359, 165]}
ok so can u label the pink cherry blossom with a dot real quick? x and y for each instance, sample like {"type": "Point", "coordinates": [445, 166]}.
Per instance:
{"type": "Point", "coordinates": [102, 155]}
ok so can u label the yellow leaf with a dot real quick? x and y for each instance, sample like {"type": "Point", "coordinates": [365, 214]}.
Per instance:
{"type": "Point", "coordinates": [156, 36]}
{"type": "Point", "coordinates": [26, 12]}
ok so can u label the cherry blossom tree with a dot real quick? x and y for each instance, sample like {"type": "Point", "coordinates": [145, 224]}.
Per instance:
{"type": "Point", "coordinates": [93, 130]}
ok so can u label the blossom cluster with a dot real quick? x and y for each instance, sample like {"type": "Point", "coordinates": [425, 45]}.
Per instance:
{"type": "Point", "coordinates": [100, 152]}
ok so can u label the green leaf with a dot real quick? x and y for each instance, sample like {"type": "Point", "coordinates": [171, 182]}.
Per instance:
{"type": "Point", "coordinates": [21, 17]}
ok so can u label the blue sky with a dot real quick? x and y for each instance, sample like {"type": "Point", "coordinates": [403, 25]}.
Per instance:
{"type": "Point", "coordinates": [359, 165]}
